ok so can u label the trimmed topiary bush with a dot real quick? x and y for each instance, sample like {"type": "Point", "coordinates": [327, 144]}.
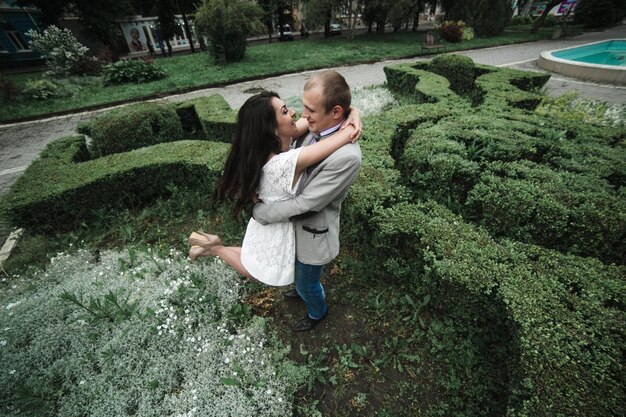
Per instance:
{"type": "Point", "coordinates": [59, 192]}
{"type": "Point", "coordinates": [132, 127]}
{"type": "Point", "coordinates": [458, 69]}
{"type": "Point", "coordinates": [215, 117]}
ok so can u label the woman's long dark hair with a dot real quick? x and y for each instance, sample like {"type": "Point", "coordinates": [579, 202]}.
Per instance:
{"type": "Point", "coordinates": [254, 140]}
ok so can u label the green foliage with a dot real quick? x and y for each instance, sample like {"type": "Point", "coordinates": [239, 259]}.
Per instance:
{"type": "Point", "coordinates": [521, 20]}
{"type": "Point", "coordinates": [64, 55]}
{"type": "Point", "coordinates": [452, 31]}
{"type": "Point", "coordinates": [418, 83]}
{"type": "Point", "coordinates": [131, 71]}
{"type": "Point", "coordinates": [197, 71]}
{"type": "Point", "coordinates": [41, 89]}
{"type": "Point", "coordinates": [211, 117]}
{"type": "Point", "coordinates": [132, 127]}
{"type": "Point", "coordinates": [599, 13]}
{"type": "Point", "coordinates": [570, 212]}
{"type": "Point", "coordinates": [59, 192]}
{"type": "Point", "coordinates": [488, 18]}
{"type": "Point", "coordinates": [227, 24]}
{"type": "Point", "coordinates": [519, 324]}
{"type": "Point", "coordinates": [142, 333]}
{"type": "Point", "coordinates": [112, 307]}
{"type": "Point", "coordinates": [458, 69]}
{"type": "Point", "coordinates": [494, 17]}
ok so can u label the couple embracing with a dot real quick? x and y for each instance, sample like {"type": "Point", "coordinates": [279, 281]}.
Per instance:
{"type": "Point", "coordinates": [297, 173]}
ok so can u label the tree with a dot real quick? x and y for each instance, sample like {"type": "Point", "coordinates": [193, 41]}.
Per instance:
{"type": "Point", "coordinates": [521, 4]}
{"type": "Point", "coordinates": [402, 12]}
{"type": "Point", "coordinates": [51, 10]}
{"type": "Point", "coordinates": [166, 22]}
{"type": "Point", "coordinates": [353, 7]}
{"type": "Point", "coordinates": [376, 12]}
{"type": "Point", "coordinates": [269, 8]}
{"type": "Point", "coordinates": [539, 22]}
{"type": "Point", "coordinates": [97, 18]}
{"type": "Point", "coordinates": [600, 13]}
{"type": "Point", "coordinates": [320, 13]}
{"type": "Point", "coordinates": [487, 17]}
{"type": "Point", "coordinates": [227, 23]}
{"type": "Point", "coordinates": [185, 7]}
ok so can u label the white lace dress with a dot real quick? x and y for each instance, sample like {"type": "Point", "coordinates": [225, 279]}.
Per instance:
{"type": "Point", "coordinates": [269, 252]}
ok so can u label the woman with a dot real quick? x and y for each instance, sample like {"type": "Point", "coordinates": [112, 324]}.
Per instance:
{"type": "Point", "coordinates": [261, 161]}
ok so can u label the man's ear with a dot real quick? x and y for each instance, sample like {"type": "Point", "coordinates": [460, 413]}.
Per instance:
{"type": "Point", "coordinates": [337, 112]}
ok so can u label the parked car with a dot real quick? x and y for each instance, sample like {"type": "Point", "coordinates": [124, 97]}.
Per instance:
{"type": "Point", "coordinates": [335, 29]}
{"type": "Point", "coordinates": [284, 33]}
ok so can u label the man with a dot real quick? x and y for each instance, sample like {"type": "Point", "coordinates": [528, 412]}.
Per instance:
{"type": "Point", "coordinates": [321, 190]}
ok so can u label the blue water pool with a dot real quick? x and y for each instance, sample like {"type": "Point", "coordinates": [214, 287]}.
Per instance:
{"type": "Point", "coordinates": [600, 61]}
{"type": "Point", "coordinates": [602, 53]}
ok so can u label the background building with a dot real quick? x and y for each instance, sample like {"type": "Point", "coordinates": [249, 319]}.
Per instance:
{"type": "Point", "coordinates": [15, 21]}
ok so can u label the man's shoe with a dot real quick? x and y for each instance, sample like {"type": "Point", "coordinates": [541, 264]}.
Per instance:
{"type": "Point", "coordinates": [292, 295]}
{"type": "Point", "coordinates": [307, 324]}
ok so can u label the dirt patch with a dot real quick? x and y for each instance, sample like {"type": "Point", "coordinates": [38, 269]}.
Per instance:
{"type": "Point", "coordinates": [355, 374]}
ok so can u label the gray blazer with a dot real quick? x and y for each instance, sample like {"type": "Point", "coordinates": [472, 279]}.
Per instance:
{"type": "Point", "coordinates": [315, 209]}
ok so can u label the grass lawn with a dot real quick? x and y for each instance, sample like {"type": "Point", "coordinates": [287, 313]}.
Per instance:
{"type": "Point", "coordinates": [189, 72]}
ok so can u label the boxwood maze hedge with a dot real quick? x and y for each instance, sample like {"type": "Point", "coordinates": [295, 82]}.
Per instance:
{"type": "Point", "coordinates": [538, 331]}
{"type": "Point", "coordinates": [68, 183]}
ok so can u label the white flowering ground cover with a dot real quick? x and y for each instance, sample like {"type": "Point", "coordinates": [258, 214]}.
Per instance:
{"type": "Point", "coordinates": [137, 333]}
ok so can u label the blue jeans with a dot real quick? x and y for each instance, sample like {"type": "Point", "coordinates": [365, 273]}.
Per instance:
{"type": "Point", "coordinates": [309, 286]}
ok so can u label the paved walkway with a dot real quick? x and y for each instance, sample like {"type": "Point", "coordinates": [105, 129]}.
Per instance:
{"type": "Point", "coordinates": [21, 143]}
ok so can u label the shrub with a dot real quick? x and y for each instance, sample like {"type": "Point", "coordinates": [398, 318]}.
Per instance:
{"type": "Point", "coordinates": [40, 89]}
{"type": "Point", "coordinates": [551, 20]}
{"type": "Point", "coordinates": [63, 188]}
{"type": "Point", "coordinates": [452, 31]}
{"type": "Point", "coordinates": [211, 116]}
{"type": "Point", "coordinates": [521, 20]}
{"type": "Point", "coordinates": [132, 71]}
{"type": "Point", "coordinates": [458, 69]}
{"type": "Point", "coordinates": [468, 34]}
{"type": "Point", "coordinates": [132, 127]}
{"type": "Point", "coordinates": [493, 17]}
{"type": "Point", "coordinates": [63, 53]}
{"type": "Point", "coordinates": [227, 24]}
{"type": "Point", "coordinates": [599, 13]}
{"type": "Point", "coordinates": [138, 332]}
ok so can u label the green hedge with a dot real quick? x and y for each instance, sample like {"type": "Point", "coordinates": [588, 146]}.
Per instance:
{"type": "Point", "coordinates": [554, 321]}
{"type": "Point", "coordinates": [525, 180]}
{"type": "Point", "coordinates": [577, 213]}
{"type": "Point", "coordinates": [132, 127]}
{"type": "Point", "coordinates": [58, 192]}
{"type": "Point", "coordinates": [544, 318]}
{"type": "Point", "coordinates": [421, 85]}
{"type": "Point", "coordinates": [216, 118]}
{"type": "Point", "coordinates": [512, 329]}
{"type": "Point", "coordinates": [458, 69]}
{"type": "Point", "coordinates": [67, 186]}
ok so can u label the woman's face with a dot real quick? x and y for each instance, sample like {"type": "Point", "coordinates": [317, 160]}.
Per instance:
{"type": "Point", "coordinates": [285, 122]}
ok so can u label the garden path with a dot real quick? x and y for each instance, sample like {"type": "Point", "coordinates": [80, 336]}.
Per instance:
{"type": "Point", "coordinates": [21, 143]}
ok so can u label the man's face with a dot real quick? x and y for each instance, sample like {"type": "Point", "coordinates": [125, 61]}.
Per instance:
{"type": "Point", "coordinates": [315, 113]}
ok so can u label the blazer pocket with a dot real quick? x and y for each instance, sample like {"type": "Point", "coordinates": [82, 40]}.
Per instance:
{"type": "Point", "coordinates": [315, 230]}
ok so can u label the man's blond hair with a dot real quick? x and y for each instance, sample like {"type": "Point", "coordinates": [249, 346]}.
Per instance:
{"type": "Point", "coordinates": [335, 90]}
